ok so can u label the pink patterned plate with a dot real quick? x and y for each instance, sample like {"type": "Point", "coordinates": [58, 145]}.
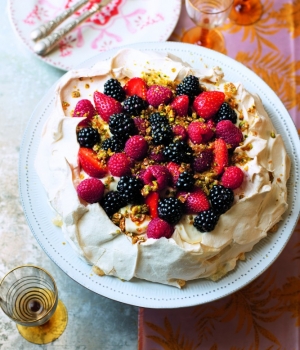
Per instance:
{"type": "Point", "coordinates": [119, 23]}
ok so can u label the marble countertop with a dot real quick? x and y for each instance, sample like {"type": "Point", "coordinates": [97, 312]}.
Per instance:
{"type": "Point", "coordinates": [95, 322]}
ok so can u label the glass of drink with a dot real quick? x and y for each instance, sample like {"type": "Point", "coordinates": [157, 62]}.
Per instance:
{"type": "Point", "coordinates": [207, 15]}
{"type": "Point", "coordinates": [29, 296]}
{"type": "Point", "coordinates": [246, 12]}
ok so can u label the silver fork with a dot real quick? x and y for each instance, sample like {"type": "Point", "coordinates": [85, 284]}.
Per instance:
{"type": "Point", "coordinates": [47, 44]}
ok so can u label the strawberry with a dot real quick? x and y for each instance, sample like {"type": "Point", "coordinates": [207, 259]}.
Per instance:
{"type": "Point", "coordinates": [159, 228]}
{"type": "Point", "coordinates": [90, 163]}
{"type": "Point", "coordinates": [207, 104]}
{"type": "Point", "coordinates": [84, 108]}
{"type": "Point", "coordinates": [233, 177]}
{"type": "Point", "coordinates": [194, 201]}
{"type": "Point", "coordinates": [136, 86]}
{"type": "Point", "coordinates": [158, 94]}
{"type": "Point", "coordinates": [180, 104]}
{"type": "Point", "coordinates": [220, 160]}
{"type": "Point", "coordinates": [230, 133]}
{"type": "Point", "coordinates": [106, 105]}
{"type": "Point", "coordinates": [152, 201]}
{"type": "Point", "coordinates": [174, 172]}
{"type": "Point", "coordinates": [91, 190]}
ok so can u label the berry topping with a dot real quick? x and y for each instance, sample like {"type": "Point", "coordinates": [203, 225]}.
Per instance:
{"type": "Point", "coordinates": [130, 189]}
{"type": "Point", "coordinates": [152, 201]}
{"type": "Point", "coordinates": [197, 131]}
{"type": "Point", "coordinates": [91, 190]}
{"type": "Point", "coordinates": [220, 160]}
{"type": "Point", "coordinates": [158, 228]}
{"type": "Point", "coordinates": [113, 88]}
{"type": "Point", "coordinates": [84, 108]}
{"type": "Point", "coordinates": [232, 177]}
{"type": "Point", "coordinates": [203, 161]}
{"type": "Point", "coordinates": [206, 220]}
{"type": "Point", "coordinates": [106, 105]}
{"type": "Point", "coordinates": [121, 126]}
{"type": "Point", "coordinates": [113, 144]}
{"type": "Point", "coordinates": [174, 170]}
{"type": "Point", "coordinates": [189, 86]}
{"type": "Point", "coordinates": [185, 181]}
{"type": "Point", "coordinates": [170, 209]}
{"type": "Point", "coordinates": [136, 86]}
{"type": "Point", "coordinates": [207, 104]}
{"type": "Point", "coordinates": [112, 202]}
{"type": "Point", "coordinates": [180, 132]}
{"type": "Point", "coordinates": [141, 126]}
{"type": "Point", "coordinates": [156, 174]}
{"type": "Point", "coordinates": [161, 131]}
{"type": "Point", "coordinates": [225, 113]}
{"type": "Point", "coordinates": [178, 152]}
{"type": "Point", "coordinates": [230, 133]}
{"type": "Point", "coordinates": [119, 164]}
{"type": "Point", "coordinates": [88, 137]}
{"type": "Point", "coordinates": [221, 198]}
{"type": "Point", "coordinates": [194, 201]}
{"type": "Point", "coordinates": [136, 147]}
{"type": "Point", "coordinates": [90, 163]}
{"type": "Point", "coordinates": [180, 105]}
{"type": "Point", "coordinates": [134, 105]}
{"type": "Point", "coordinates": [158, 94]}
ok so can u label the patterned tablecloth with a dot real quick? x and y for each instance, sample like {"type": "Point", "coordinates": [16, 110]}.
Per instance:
{"type": "Point", "coordinates": [266, 313]}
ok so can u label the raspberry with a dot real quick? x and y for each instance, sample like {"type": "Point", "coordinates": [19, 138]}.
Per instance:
{"type": "Point", "coordinates": [180, 105]}
{"type": "Point", "coordinates": [158, 228]}
{"type": "Point", "coordinates": [84, 108]}
{"type": "Point", "coordinates": [180, 132]}
{"type": "Point", "coordinates": [158, 173]}
{"type": "Point", "coordinates": [91, 190]}
{"type": "Point", "coordinates": [136, 147]}
{"type": "Point", "coordinates": [157, 157]}
{"type": "Point", "coordinates": [197, 130]}
{"type": "Point", "coordinates": [206, 220]}
{"type": "Point", "coordinates": [174, 170]}
{"type": "Point", "coordinates": [141, 125]}
{"type": "Point", "coordinates": [207, 104]}
{"type": "Point", "coordinates": [119, 164]}
{"type": "Point", "coordinates": [230, 133]}
{"type": "Point", "coordinates": [232, 177]}
{"type": "Point", "coordinates": [158, 94]}
{"type": "Point", "coordinates": [194, 201]}
{"type": "Point", "coordinates": [203, 161]}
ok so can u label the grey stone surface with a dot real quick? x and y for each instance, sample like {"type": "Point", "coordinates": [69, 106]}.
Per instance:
{"type": "Point", "coordinates": [95, 322]}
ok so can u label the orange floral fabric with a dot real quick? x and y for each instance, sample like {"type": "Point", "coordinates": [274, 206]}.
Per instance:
{"type": "Point", "coordinates": [266, 313]}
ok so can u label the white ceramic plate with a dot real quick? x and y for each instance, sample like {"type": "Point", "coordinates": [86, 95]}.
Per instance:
{"type": "Point", "coordinates": [143, 293]}
{"type": "Point", "coordinates": [120, 23]}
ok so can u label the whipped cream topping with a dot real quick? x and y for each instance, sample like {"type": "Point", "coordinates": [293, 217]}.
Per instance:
{"type": "Point", "coordinates": [189, 254]}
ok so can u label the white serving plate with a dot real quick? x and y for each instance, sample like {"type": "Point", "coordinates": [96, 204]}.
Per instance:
{"type": "Point", "coordinates": [138, 292]}
{"type": "Point", "coordinates": [120, 23]}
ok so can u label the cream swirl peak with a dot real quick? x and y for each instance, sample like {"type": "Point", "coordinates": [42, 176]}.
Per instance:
{"type": "Point", "coordinates": [186, 234]}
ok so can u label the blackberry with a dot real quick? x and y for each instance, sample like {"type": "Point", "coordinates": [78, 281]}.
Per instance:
{"type": "Point", "coordinates": [88, 137]}
{"type": "Point", "coordinates": [134, 105]}
{"type": "Point", "coordinates": [170, 209]}
{"type": "Point", "coordinates": [161, 131]}
{"type": "Point", "coordinates": [121, 126]}
{"type": "Point", "coordinates": [185, 181]}
{"type": "Point", "coordinates": [114, 144]}
{"type": "Point", "coordinates": [113, 88]}
{"type": "Point", "coordinates": [112, 202]}
{"type": "Point", "coordinates": [225, 113]}
{"type": "Point", "coordinates": [189, 86]}
{"type": "Point", "coordinates": [178, 152]}
{"type": "Point", "coordinates": [221, 198]}
{"type": "Point", "coordinates": [206, 220]}
{"type": "Point", "coordinates": [130, 189]}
